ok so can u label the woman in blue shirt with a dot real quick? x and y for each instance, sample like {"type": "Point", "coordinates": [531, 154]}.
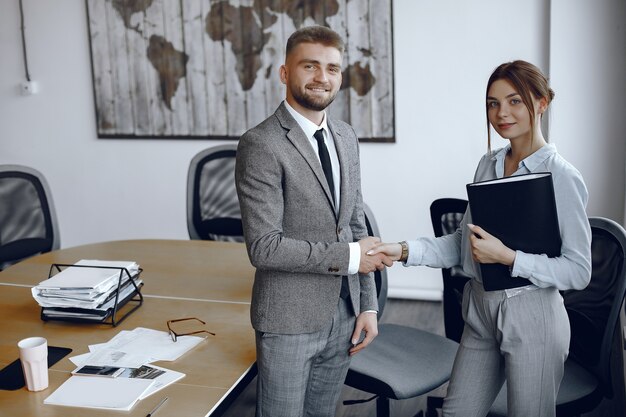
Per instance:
{"type": "Point", "coordinates": [521, 334]}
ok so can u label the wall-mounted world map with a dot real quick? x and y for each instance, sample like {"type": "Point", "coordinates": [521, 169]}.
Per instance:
{"type": "Point", "coordinates": [209, 68]}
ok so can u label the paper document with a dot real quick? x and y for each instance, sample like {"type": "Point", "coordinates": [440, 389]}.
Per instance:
{"type": "Point", "coordinates": [162, 377]}
{"type": "Point", "coordinates": [132, 349]}
{"type": "Point", "coordinates": [97, 392]}
{"type": "Point", "coordinates": [160, 344]}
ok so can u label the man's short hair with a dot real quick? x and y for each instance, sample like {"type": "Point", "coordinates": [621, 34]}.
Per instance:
{"type": "Point", "coordinates": [315, 34]}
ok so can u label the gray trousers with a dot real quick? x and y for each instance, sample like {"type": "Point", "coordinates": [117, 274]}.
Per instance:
{"type": "Point", "coordinates": [302, 374]}
{"type": "Point", "coordinates": [523, 340]}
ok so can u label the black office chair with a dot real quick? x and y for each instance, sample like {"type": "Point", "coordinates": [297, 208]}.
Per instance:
{"type": "Point", "coordinates": [594, 321]}
{"type": "Point", "coordinates": [402, 362]}
{"type": "Point", "coordinates": [28, 222]}
{"type": "Point", "coordinates": [446, 215]}
{"type": "Point", "coordinates": [212, 205]}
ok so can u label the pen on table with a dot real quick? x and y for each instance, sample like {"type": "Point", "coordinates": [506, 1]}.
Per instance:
{"type": "Point", "coordinates": [155, 409]}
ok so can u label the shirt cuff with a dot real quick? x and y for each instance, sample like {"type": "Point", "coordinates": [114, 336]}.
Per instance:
{"type": "Point", "coordinates": [370, 311]}
{"type": "Point", "coordinates": [415, 253]}
{"type": "Point", "coordinates": [522, 265]}
{"type": "Point", "coordinates": [355, 258]}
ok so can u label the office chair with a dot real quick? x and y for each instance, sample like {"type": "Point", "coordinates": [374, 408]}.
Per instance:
{"type": "Point", "coordinates": [28, 222]}
{"type": "Point", "coordinates": [446, 215]}
{"type": "Point", "coordinates": [594, 321]}
{"type": "Point", "coordinates": [212, 205]}
{"type": "Point", "coordinates": [402, 362]}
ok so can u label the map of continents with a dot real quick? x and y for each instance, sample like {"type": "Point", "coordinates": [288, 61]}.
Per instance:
{"type": "Point", "coordinates": [224, 23]}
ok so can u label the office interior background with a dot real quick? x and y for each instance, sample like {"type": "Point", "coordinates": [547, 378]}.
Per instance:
{"type": "Point", "coordinates": [444, 52]}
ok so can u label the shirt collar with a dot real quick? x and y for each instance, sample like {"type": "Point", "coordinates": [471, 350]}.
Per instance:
{"type": "Point", "coordinates": [531, 162]}
{"type": "Point", "coordinates": [308, 127]}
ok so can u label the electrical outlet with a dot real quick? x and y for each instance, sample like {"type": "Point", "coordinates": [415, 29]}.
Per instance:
{"type": "Point", "coordinates": [28, 88]}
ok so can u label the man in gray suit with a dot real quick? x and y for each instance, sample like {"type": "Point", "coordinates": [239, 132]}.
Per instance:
{"type": "Point", "coordinates": [299, 187]}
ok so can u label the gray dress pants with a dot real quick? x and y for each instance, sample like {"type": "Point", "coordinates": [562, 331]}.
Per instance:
{"type": "Point", "coordinates": [301, 375]}
{"type": "Point", "coordinates": [523, 339]}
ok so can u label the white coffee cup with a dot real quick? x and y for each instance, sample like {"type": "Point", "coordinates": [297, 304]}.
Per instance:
{"type": "Point", "coordinates": [34, 357]}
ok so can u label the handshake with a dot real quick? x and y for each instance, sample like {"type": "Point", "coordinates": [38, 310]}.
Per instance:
{"type": "Point", "coordinates": [375, 255]}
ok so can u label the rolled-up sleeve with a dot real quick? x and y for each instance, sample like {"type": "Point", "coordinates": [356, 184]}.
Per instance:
{"type": "Point", "coordinates": [440, 252]}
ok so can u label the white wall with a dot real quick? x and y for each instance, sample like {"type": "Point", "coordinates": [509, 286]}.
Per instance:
{"type": "Point", "coordinates": [588, 72]}
{"type": "Point", "coordinates": [444, 52]}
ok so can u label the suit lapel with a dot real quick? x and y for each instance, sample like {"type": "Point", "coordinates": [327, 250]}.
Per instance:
{"type": "Point", "coordinates": [297, 137]}
{"type": "Point", "coordinates": [344, 162]}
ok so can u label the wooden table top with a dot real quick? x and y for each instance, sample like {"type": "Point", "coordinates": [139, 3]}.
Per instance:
{"type": "Point", "coordinates": [208, 280]}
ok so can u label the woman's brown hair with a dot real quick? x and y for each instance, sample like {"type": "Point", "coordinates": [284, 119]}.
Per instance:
{"type": "Point", "coordinates": [528, 81]}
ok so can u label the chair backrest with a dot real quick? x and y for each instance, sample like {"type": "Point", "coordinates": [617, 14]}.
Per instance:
{"type": "Point", "coordinates": [446, 215]}
{"type": "Point", "coordinates": [28, 222]}
{"type": "Point", "coordinates": [594, 312]}
{"type": "Point", "coordinates": [379, 276]}
{"type": "Point", "coordinates": [213, 211]}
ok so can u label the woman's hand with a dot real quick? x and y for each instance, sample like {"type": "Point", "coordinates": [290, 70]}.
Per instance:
{"type": "Point", "coordinates": [392, 250]}
{"type": "Point", "coordinates": [488, 249]}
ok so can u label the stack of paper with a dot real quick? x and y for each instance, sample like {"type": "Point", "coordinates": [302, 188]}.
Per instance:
{"type": "Point", "coordinates": [88, 290]}
{"type": "Point", "coordinates": [133, 350]}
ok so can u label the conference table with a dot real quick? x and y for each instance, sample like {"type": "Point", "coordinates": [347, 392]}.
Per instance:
{"type": "Point", "coordinates": [182, 278]}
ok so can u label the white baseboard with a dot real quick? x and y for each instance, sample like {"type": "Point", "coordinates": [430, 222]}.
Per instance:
{"type": "Point", "coordinates": [415, 294]}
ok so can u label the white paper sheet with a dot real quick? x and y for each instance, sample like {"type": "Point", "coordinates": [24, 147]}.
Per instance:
{"type": "Point", "coordinates": [100, 392]}
{"type": "Point", "coordinates": [161, 346]}
{"type": "Point", "coordinates": [131, 349]}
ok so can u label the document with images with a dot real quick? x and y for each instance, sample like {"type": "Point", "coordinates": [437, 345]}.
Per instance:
{"type": "Point", "coordinates": [162, 377]}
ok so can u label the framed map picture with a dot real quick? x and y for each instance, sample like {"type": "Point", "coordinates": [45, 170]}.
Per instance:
{"type": "Point", "coordinates": [209, 68]}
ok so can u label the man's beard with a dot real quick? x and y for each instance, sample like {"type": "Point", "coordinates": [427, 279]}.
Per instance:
{"type": "Point", "coordinates": [303, 98]}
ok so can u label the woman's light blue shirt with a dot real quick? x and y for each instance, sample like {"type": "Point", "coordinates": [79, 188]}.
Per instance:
{"type": "Point", "coordinates": [570, 270]}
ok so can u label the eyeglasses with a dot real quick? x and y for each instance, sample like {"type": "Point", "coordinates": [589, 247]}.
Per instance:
{"type": "Point", "coordinates": [175, 335]}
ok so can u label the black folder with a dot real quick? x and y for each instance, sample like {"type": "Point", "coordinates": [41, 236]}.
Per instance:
{"type": "Point", "coordinates": [520, 211]}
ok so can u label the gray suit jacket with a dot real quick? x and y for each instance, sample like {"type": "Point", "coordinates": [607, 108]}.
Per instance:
{"type": "Point", "coordinates": [295, 240]}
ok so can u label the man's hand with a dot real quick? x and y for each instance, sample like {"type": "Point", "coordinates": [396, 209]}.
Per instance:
{"type": "Point", "coordinates": [365, 322]}
{"type": "Point", "coordinates": [488, 249]}
{"type": "Point", "coordinates": [371, 263]}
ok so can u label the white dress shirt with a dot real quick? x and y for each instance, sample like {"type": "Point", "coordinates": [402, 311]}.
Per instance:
{"type": "Point", "coordinates": [309, 128]}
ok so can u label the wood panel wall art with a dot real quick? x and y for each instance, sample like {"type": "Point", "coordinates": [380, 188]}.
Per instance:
{"type": "Point", "coordinates": [209, 68]}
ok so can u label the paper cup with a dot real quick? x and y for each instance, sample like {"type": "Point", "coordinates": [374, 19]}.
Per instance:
{"type": "Point", "coordinates": [34, 357]}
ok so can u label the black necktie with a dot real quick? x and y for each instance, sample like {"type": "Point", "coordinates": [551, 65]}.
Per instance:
{"type": "Point", "coordinates": [328, 173]}
{"type": "Point", "coordinates": [325, 160]}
